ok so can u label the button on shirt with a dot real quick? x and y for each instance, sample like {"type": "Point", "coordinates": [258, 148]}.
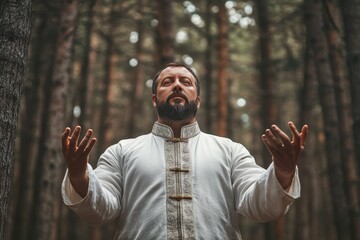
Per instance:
{"type": "Point", "coordinates": [193, 187]}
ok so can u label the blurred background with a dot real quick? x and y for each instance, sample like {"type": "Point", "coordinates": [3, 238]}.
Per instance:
{"type": "Point", "coordinates": [91, 63]}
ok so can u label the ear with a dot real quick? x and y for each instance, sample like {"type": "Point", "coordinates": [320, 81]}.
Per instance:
{"type": "Point", "coordinates": [198, 101]}
{"type": "Point", "coordinates": [153, 99]}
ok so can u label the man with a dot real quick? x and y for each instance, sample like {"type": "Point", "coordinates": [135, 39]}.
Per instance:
{"type": "Point", "coordinates": [178, 182]}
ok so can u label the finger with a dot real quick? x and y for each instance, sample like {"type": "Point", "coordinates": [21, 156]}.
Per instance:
{"type": "Point", "coordinates": [74, 138]}
{"type": "Point", "coordinates": [84, 141]}
{"type": "Point", "coordinates": [295, 133]}
{"type": "Point", "coordinates": [275, 140]}
{"type": "Point", "coordinates": [273, 149]}
{"type": "Point", "coordinates": [90, 146]}
{"type": "Point", "coordinates": [304, 132]}
{"type": "Point", "coordinates": [278, 133]}
{"type": "Point", "coordinates": [65, 140]}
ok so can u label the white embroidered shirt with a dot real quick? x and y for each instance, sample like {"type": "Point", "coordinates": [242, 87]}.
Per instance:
{"type": "Point", "coordinates": [193, 187]}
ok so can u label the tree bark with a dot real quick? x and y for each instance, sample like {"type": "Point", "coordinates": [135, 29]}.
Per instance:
{"type": "Point", "coordinates": [344, 116]}
{"type": "Point", "coordinates": [51, 163]}
{"type": "Point", "coordinates": [41, 63]}
{"type": "Point", "coordinates": [266, 68]}
{"type": "Point", "coordinates": [307, 208]}
{"type": "Point", "coordinates": [165, 40]}
{"type": "Point", "coordinates": [109, 67]}
{"type": "Point", "coordinates": [223, 98]}
{"type": "Point", "coordinates": [135, 106]}
{"type": "Point", "coordinates": [275, 230]}
{"type": "Point", "coordinates": [208, 68]}
{"type": "Point", "coordinates": [15, 26]}
{"type": "Point", "coordinates": [85, 65]}
{"type": "Point", "coordinates": [351, 22]}
{"type": "Point", "coordinates": [314, 25]}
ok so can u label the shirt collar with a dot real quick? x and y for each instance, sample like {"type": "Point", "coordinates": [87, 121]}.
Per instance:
{"type": "Point", "coordinates": [187, 131]}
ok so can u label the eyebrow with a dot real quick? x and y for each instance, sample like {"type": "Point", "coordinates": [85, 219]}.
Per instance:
{"type": "Point", "coordinates": [181, 76]}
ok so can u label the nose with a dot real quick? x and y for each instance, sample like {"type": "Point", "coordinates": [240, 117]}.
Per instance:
{"type": "Point", "coordinates": [177, 85]}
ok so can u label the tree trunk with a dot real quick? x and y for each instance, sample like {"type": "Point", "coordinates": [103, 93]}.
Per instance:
{"type": "Point", "coordinates": [266, 68]}
{"type": "Point", "coordinates": [135, 106]}
{"type": "Point", "coordinates": [83, 88]}
{"type": "Point", "coordinates": [109, 67]}
{"type": "Point", "coordinates": [42, 56]}
{"type": "Point", "coordinates": [314, 25]}
{"type": "Point", "coordinates": [351, 20]}
{"type": "Point", "coordinates": [15, 25]}
{"type": "Point", "coordinates": [165, 39]}
{"type": "Point", "coordinates": [268, 109]}
{"type": "Point", "coordinates": [51, 163]}
{"type": "Point", "coordinates": [222, 103]}
{"type": "Point", "coordinates": [74, 227]}
{"type": "Point", "coordinates": [208, 68]}
{"type": "Point", "coordinates": [307, 208]}
{"type": "Point", "coordinates": [344, 117]}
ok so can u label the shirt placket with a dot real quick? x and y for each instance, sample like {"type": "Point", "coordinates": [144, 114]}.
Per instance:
{"type": "Point", "coordinates": [180, 223]}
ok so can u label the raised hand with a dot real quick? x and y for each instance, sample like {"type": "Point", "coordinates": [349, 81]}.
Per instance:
{"type": "Point", "coordinates": [285, 151]}
{"type": "Point", "coordinates": [76, 157]}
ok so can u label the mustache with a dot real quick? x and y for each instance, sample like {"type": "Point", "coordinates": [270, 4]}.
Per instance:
{"type": "Point", "coordinates": [177, 94]}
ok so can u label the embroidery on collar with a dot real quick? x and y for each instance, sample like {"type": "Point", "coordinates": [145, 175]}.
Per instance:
{"type": "Point", "coordinates": [165, 131]}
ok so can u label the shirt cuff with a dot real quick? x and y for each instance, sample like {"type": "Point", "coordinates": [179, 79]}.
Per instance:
{"type": "Point", "coordinates": [69, 194]}
{"type": "Point", "coordinates": [293, 191]}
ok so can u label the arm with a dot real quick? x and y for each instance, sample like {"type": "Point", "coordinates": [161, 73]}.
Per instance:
{"type": "Point", "coordinates": [285, 152]}
{"type": "Point", "coordinates": [94, 195]}
{"type": "Point", "coordinates": [258, 193]}
{"type": "Point", "coordinates": [76, 157]}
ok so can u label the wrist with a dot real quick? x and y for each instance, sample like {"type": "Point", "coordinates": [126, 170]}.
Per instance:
{"type": "Point", "coordinates": [78, 179]}
{"type": "Point", "coordinates": [285, 177]}
{"type": "Point", "coordinates": [80, 184]}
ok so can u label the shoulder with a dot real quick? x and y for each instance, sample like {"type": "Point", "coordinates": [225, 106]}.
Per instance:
{"type": "Point", "coordinates": [124, 144]}
{"type": "Point", "coordinates": [132, 141]}
{"type": "Point", "coordinates": [226, 144]}
{"type": "Point", "coordinates": [217, 139]}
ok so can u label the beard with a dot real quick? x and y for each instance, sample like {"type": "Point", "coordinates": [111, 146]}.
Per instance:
{"type": "Point", "coordinates": [176, 112]}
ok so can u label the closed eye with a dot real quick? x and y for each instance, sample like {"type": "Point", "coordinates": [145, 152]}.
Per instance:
{"type": "Point", "coordinates": [186, 81]}
{"type": "Point", "coordinates": [166, 82]}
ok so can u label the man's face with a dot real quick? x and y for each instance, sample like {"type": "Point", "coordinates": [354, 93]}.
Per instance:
{"type": "Point", "coordinates": [176, 95]}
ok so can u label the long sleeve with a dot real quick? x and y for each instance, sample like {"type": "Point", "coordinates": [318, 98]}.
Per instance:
{"type": "Point", "coordinates": [258, 193]}
{"type": "Point", "coordinates": [102, 202]}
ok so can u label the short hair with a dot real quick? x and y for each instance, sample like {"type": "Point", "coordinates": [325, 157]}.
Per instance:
{"type": "Point", "coordinates": [175, 64]}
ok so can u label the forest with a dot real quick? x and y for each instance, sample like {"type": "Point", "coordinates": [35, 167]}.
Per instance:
{"type": "Point", "coordinates": [91, 63]}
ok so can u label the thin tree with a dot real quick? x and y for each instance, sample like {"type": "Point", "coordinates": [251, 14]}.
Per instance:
{"type": "Point", "coordinates": [85, 64]}
{"type": "Point", "coordinates": [344, 114]}
{"type": "Point", "coordinates": [41, 61]}
{"type": "Point", "coordinates": [51, 163]}
{"type": "Point", "coordinates": [208, 66]}
{"type": "Point", "coordinates": [165, 37]}
{"type": "Point", "coordinates": [314, 25]}
{"type": "Point", "coordinates": [351, 22]}
{"type": "Point", "coordinates": [72, 228]}
{"type": "Point", "coordinates": [15, 22]}
{"type": "Point", "coordinates": [266, 68]}
{"type": "Point", "coordinates": [135, 108]}
{"type": "Point", "coordinates": [109, 77]}
{"type": "Point", "coordinates": [268, 105]}
{"type": "Point", "coordinates": [308, 206]}
{"type": "Point", "coordinates": [222, 103]}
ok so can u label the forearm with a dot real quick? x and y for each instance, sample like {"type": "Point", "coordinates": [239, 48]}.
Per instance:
{"type": "Point", "coordinates": [80, 184]}
{"type": "Point", "coordinates": [266, 199]}
{"type": "Point", "coordinates": [97, 206]}
{"type": "Point", "coordinates": [285, 179]}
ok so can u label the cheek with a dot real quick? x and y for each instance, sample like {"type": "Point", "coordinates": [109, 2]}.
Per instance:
{"type": "Point", "coordinates": [162, 93]}
{"type": "Point", "coordinates": [160, 96]}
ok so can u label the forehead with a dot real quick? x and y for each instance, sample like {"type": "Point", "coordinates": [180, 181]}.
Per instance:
{"type": "Point", "coordinates": [176, 71]}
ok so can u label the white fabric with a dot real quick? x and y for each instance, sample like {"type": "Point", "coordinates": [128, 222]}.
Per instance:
{"type": "Point", "coordinates": [130, 184]}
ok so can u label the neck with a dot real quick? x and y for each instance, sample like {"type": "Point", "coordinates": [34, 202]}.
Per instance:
{"type": "Point", "coordinates": [176, 125]}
